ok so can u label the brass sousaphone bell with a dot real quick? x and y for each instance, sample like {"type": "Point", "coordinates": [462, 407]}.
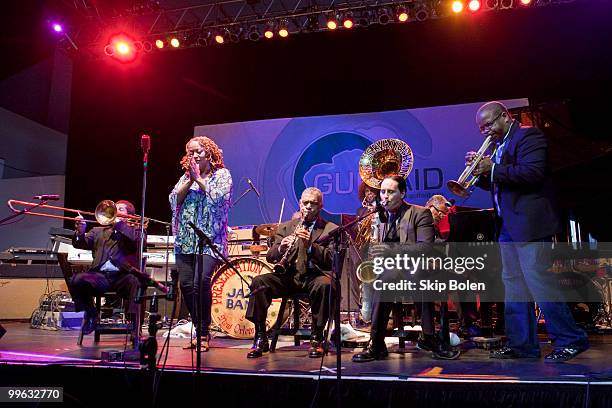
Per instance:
{"type": "Point", "coordinates": [384, 158]}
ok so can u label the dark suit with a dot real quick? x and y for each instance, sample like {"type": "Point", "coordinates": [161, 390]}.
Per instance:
{"type": "Point", "coordinates": [527, 221]}
{"type": "Point", "coordinates": [415, 227]}
{"type": "Point", "coordinates": [311, 274]}
{"type": "Point", "coordinates": [118, 244]}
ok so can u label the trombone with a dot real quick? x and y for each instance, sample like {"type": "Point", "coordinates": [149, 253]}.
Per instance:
{"type": "Point", "coordinates": [462, 187]}
{"type": "Point", "coordinates": [105, 213]}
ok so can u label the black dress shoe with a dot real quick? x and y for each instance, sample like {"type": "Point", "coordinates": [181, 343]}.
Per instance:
{"type": "Point", "coordinates": [563, 354]}
{"type": "Point", "coordinates": [260, 346]}
{"type": "Point", "coordinates": [370, 354]}
{"type": "Point", "coordinates": [439, 350]}
{"type": "Point", "coordinates": [317, 349]}
{"type": "Point", "coordinates": [505, 353]}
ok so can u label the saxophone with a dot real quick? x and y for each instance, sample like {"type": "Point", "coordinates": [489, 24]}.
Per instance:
{"type": "Point", "coordinates": [281, 266]}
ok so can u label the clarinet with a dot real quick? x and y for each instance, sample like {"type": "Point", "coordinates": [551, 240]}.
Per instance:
{"type": "Point", "coordinates": [282, 265]}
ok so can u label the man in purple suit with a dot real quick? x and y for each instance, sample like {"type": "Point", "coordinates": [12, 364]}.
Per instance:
{"type": "Point", "coordinates": [519, 179]}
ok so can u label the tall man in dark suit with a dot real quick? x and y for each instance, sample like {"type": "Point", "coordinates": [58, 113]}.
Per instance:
{"type": "Point", "coordinates": [519, 179]}
{"type": "Point", "coordinates": [307, 269]}
{"type": "Point", "coordinates": [411, 226]}
{"type": "Point", "coordinates": [115, 255]}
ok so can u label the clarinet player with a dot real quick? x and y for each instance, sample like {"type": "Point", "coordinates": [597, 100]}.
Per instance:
{"type": "Point", "coordinates": [302, 266]}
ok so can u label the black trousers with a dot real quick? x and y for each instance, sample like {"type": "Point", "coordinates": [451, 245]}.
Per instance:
{"type": "Point", "coordinates": [88, 284]}
{"type": "Point", "coordinates": [195, 274]}
{"type": "Point", "coordinates": [319, 288]}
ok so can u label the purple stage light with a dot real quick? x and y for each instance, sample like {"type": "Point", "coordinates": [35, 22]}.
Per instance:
{"type": "Point", "coordinates": [57, 28]}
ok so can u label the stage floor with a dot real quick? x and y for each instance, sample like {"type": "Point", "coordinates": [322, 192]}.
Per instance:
{"type": "Point", "coordinates": [24, 345]}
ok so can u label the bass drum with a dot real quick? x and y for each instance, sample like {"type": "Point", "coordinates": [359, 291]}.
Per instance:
{"type": "Point", "coordinates": [229, 303]}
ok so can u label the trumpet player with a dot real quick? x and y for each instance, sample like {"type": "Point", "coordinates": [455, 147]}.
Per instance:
{"type": "Point", "coordinates": [115, 252]}
{"type": "Point", "coordinates": [519, 179]}
{"type": "Point", "coordinates": [302, 265]}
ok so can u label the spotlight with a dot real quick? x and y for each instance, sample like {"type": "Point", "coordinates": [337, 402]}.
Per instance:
{"type": "Point", "coordinates": [57, 27]}
{"type": "Point", "coordinates": [505, 4]}
{"type": "Point", "coordinates": [347, 20]}
{"type": "Point", "coordinates": [233, 34]}
{"type": "Point", "coordinates": [283, 29]}
{"type": "Point", "coordinates": [220, 37]}
{"type": "Point", "coordinates": [269, 33]}
{"type": "Point", "coordinates": [457, 6]}
{"type": "Point", "coordinates": [122, 47]}
{"type": "Point", "coordinates": [401, 14]}
{"type": "Point", "coordinates": [525, 2]}
{"type": "Point", "coordinates": [254, 34]}
{"type": "Point", "coordinates": [421, 14]}
{"type": "Point", "coordinates": [383, 15]}
{"type": "Point", "coordinates": [474, 5]}
{"type": "Point", "coordinates": [332, 24]}
{"type": "Point", "coordinates": [159, 44]}
{"type": "Point", "coordinates": [174, 42]}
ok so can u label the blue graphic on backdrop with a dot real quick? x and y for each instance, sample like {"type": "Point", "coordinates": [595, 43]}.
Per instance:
{"type": "Point", "coordinates": [324, 152]}
{"type": "Point", "coordinates": [330, 164]}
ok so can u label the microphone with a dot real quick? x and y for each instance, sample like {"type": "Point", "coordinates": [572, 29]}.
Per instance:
{"type": "Point", "coordinates": [47, 197]}
{"type": "Point", "coordinates": [145, 143]}
{"type": "Point", "coordinates": [253, 187]}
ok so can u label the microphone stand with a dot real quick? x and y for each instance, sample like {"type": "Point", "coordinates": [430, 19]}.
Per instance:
{"type": "Point", "coordinates": [334, 237]}
{"type": "Point", "coordinates": [242, 195]}
{"type": "Point", "coordinates": [24, 211]}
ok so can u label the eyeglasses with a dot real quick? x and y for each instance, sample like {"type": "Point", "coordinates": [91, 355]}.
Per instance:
{"type": "Point", "coordinates": [488, 125]}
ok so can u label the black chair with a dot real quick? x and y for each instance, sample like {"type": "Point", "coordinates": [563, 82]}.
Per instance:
{"type": "Point", "coordinates": [105, 328]}
{"type": "Point", "coordinates": [296, 331]}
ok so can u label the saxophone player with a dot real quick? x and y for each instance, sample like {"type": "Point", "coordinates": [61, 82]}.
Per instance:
{"type": "Point", "coordinates": [302, 266]}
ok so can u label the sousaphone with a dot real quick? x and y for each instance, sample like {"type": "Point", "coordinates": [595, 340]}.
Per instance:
{"type": "Point", "coordinates": [384, 158]}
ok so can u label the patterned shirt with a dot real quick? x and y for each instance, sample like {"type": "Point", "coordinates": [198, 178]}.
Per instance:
{"type": "Point", "coordinates": [207, 209]}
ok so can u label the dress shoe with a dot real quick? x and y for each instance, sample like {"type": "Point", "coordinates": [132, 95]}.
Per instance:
{"type": "Point", "coordinates": [563, 354]}
{"type": "Point", "coordinates": [439, 350]}
{"type": "Point", "coordinates": [506, 353]}
{"type": "Point", "coordinates": [260, 341]}
{"type": "Point", "coordinates": [371, 353]}
{"type": "Point", "coordinates": [317, 349]}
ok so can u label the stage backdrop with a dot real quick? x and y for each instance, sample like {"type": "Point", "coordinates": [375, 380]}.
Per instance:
{"type": "Point", "coordinates": [284, 156]}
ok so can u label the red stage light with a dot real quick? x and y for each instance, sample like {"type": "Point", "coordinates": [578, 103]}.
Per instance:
{"type": "Point", "coordinates": [159, 44]}
{"type": "Point", "coordinates": [175, 42]}
{"type": "Point", "coordinates": [122, 48]}
{"type": "Point", "coordinates": [474, 5]}
{"type": "Point", "coordinates": [525, 2]}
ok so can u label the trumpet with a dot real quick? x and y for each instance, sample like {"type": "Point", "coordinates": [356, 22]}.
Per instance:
{"type": "Point", "coordinates": [462, 187]}
{"type": "Point", "coordinates": [105, 213]}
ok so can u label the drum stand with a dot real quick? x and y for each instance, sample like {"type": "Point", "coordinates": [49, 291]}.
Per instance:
{"type": "Point", "coordinates": [604, 314]}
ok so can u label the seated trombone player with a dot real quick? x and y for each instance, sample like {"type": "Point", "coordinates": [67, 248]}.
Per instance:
{"type": "Point", "coordinates": [115, 255]}
{"type": "Point", "coordinates": [302, 265]}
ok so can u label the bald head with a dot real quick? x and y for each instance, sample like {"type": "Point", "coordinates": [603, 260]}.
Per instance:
{"type": "Point", "coordinates": [493, 119]}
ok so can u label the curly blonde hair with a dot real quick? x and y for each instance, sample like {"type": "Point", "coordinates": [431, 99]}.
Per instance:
{"type": "Point", "coordinates": [213, 152]}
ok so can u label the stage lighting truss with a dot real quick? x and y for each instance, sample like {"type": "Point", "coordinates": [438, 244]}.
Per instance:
{"type": "Point", "coordinates": [155, 23]}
